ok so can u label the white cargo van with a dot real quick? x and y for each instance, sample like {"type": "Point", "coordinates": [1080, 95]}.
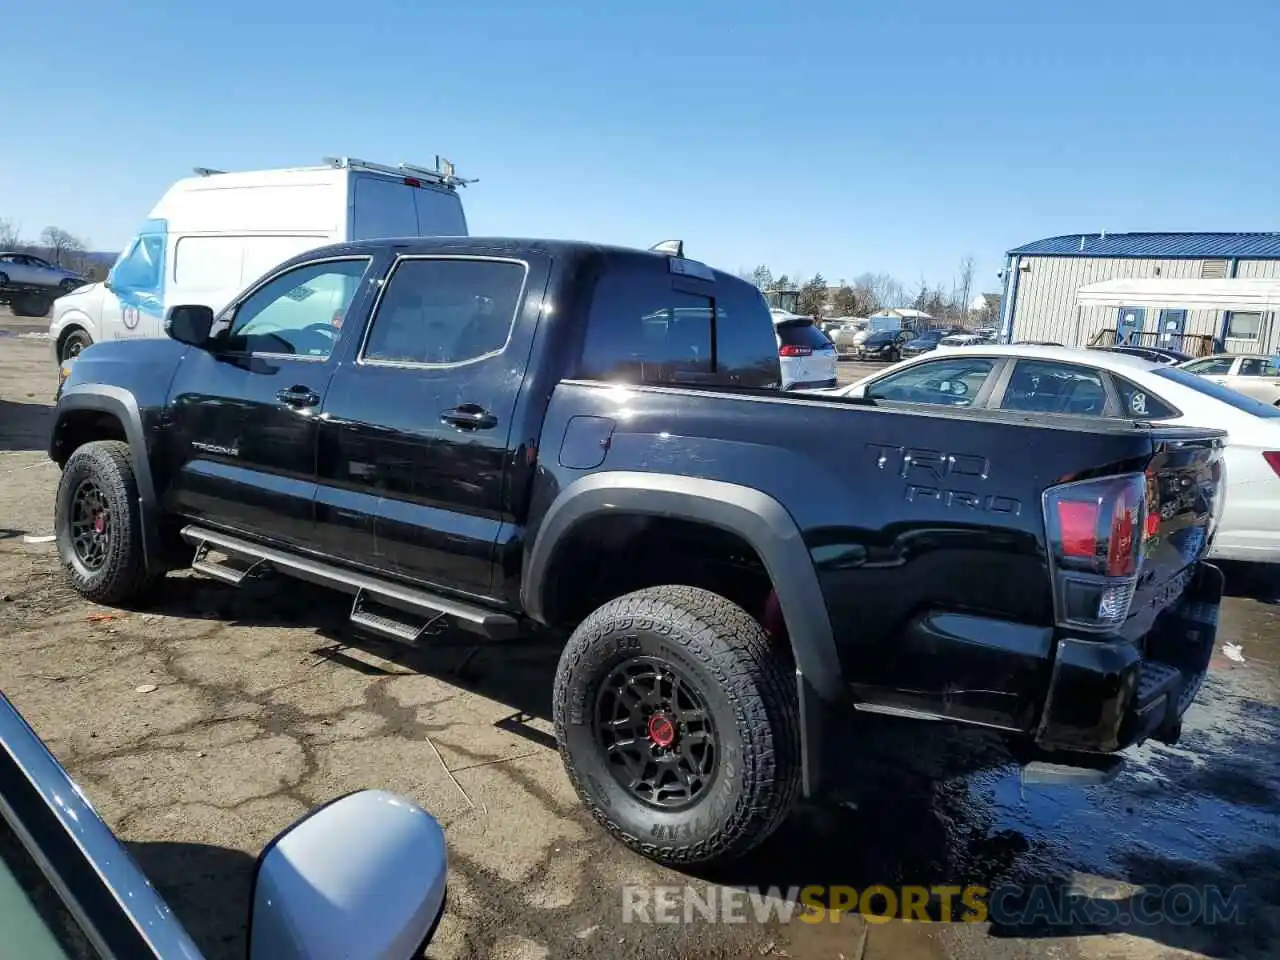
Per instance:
{"type": "Point", "coordinates": [213, 234]}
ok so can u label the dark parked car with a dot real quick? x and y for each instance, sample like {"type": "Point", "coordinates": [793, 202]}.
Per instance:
{"type": "Point", "coordinates": [519, 437]}
{"type": "Point", "coordinates": [1154, 354]}
{"type": "Point", "coordinates": [884, 345]}
{"type": "Point", "coordinates": [923, 342]}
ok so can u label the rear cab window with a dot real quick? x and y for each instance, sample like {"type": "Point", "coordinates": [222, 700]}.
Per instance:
{"type": "Point", "coordinates": [647, 324]}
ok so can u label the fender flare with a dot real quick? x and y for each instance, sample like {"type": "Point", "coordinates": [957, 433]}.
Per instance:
{"type": "Point", "coordinates": [755, 516]}
{"type": "Point", "coordinates": [122, 405]}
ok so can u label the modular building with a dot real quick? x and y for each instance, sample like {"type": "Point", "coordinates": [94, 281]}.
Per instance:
{"type": "Point", "coordinates": [1060, 290]}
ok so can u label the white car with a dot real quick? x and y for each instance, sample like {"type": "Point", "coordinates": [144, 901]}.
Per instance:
{"type": "Point", "coordinates": [807, 357]}
{"type": "Point", "coordinates": [1254, 375]}
{"type": "Point", "coordinates": [961, 340]}
{"type": "Point", "coordinates": [1060, 380]}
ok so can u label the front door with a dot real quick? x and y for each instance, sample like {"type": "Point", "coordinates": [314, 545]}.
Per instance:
{"type": "Point", "coordinates": [244, 409]}
{"type": "Point", "coordinates": [1129, 325]}
{"type": "Point", "coordinates": [1172, 324]}
{"type": "Point", "coordinates": [416, 433]}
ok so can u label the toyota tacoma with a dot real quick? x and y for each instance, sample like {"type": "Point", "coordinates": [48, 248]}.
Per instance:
{"type": "Point", "coordinates": [514, 436]}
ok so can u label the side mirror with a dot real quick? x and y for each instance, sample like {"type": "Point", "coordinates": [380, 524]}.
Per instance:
{"type": "Point", "coordinates": [361, 878]}
{"type": "Point", "coordinates": [189, 324]}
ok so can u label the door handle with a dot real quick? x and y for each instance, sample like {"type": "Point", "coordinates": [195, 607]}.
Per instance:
{"type": "Point", "coordinates": [298, 396]}
{"type": "Point", "coordinates": [469, 416]}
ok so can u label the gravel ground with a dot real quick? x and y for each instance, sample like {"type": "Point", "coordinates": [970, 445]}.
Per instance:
{"type": "Point", "coordinates": [265, 705]}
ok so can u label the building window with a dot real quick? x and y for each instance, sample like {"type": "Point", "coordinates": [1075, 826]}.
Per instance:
{"type": "Point", "coordinates": [1243, 325]}
{"type": "Point", "coordinates": [1213, 270]}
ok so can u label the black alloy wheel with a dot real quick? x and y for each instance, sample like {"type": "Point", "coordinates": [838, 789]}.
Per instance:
{"type": "Point", "coordinates": [654, 726]}
{"type": "Point", "coordinates": [90, 525]}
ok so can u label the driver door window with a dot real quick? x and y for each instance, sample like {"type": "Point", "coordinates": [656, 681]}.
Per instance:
{"type": "Point", "coordinates": [954, 382]}
{"type": "Point", "coordinates": [298, 313]}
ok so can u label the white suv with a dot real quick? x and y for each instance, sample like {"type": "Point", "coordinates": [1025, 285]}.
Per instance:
{"type": "Point", "coordinates": [807, 357]}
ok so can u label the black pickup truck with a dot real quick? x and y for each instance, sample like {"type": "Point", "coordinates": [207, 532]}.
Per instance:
{"type": "Point", "coordinates": [511, 436]}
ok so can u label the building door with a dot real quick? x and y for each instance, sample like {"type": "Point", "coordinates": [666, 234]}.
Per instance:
{"type": "Point", "coordinates": [1172, 324]}
{"type": "Point", "coordinates": [1129, 325]}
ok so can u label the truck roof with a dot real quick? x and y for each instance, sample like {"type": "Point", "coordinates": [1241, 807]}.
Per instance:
{"type": "Point", "coordinates": [569, 250]}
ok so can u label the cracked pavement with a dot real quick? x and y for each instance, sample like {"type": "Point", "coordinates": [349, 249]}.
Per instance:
{"type": "Point", "coordinates": [265, 704]}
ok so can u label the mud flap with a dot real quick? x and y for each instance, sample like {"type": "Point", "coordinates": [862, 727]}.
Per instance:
{"type": "Point", "coordinates": [812, 709]}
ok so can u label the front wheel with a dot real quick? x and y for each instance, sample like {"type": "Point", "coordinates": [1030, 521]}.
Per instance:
{"type": "Point", "coordinates": [678, 726]}
{"type": "Point", "coordinates": [98, 525]}
{"type": "Point", "coordinates": [72, 344]}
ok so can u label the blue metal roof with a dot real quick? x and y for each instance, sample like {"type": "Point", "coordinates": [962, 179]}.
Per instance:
{"type": "Point", "coordinates": [1249, 245]}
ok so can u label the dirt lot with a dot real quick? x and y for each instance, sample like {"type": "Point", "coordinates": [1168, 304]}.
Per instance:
{"type": "Point", "coordinates": [264, 704]}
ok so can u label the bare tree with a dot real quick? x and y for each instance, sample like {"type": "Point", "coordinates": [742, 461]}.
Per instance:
{"type": "Point", "coordinates": [8, 234]}
{"type": "Point", "coordinates": [883, 291]}
{"type": "Point", "coordinates": [965, 285]}
{"type": "Point", "coordinates": [59, 243]}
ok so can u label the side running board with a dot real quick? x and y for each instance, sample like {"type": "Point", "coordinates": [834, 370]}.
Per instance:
{"type": "Point", "coordinates": [382, 606]}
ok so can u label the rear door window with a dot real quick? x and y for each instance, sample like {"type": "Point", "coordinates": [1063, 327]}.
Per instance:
{"type": "Point", "coordinates": [1258, 367]}
{"type": "Point", "coordinates": [1045, 386]}
{"type": "Point", "coordinates": [445, 311]}
{"type": "Point", "coordinates": [953, 382]}
{"type": "Point", "coordinates": [383, 208]}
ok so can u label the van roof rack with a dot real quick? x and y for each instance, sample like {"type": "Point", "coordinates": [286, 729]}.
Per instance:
{"type": "Point", "coordinates": [442, 173]}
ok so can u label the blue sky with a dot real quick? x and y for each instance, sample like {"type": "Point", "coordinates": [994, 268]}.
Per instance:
{"type": "Point", "coordinates": [842, 137]}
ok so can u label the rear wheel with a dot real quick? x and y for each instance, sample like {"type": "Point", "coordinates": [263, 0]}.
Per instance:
{"type": "Point", "coordinates": [98, 525]}
{"type": "Point", "coordinates": [678, 725]}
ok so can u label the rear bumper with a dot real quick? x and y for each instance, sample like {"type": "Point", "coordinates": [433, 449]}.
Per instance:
{"type": "Point", "coordinates": [1106, 695]}
{"type": "Point", "coordinates": [812, 384]}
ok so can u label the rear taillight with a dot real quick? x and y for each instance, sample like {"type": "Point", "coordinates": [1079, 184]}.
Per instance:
{"type": "Point", "coordinates": [1096, 532]}
{"type": "Point", "coordinates": [787, 350]}
{"type": "Point", "coordinates": [1273, 459]}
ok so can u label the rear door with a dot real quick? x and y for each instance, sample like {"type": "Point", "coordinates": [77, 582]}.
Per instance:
{"type": "Point", "coordinates": [1257, 377]}
{"type": "Point", "coordinates": [243, 411]}
{"type": "Point", "coordinates": [416, 433]}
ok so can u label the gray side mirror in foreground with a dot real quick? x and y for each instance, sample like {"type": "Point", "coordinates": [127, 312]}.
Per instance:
{"type": "Point", "coordinates": [362, 878]}
{"type": "Point", "coordinates": [189, 324]}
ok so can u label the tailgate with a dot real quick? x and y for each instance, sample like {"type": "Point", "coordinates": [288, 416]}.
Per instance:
{"type": "Point", "coordinates": [1185, 489]}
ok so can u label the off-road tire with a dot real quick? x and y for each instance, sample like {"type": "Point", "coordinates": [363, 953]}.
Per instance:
{"type": "Point", "coordinates": [122, 576]}
{"type": "Point", "coordinates": [76, 336]}
{"type": "Point", "coordinates": [749, 689]}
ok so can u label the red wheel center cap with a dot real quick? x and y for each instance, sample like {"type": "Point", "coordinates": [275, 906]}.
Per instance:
{"type": "Point", "coordinates": [100, 523]}
{"type": "Point", "coordinates": [661, 730]}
